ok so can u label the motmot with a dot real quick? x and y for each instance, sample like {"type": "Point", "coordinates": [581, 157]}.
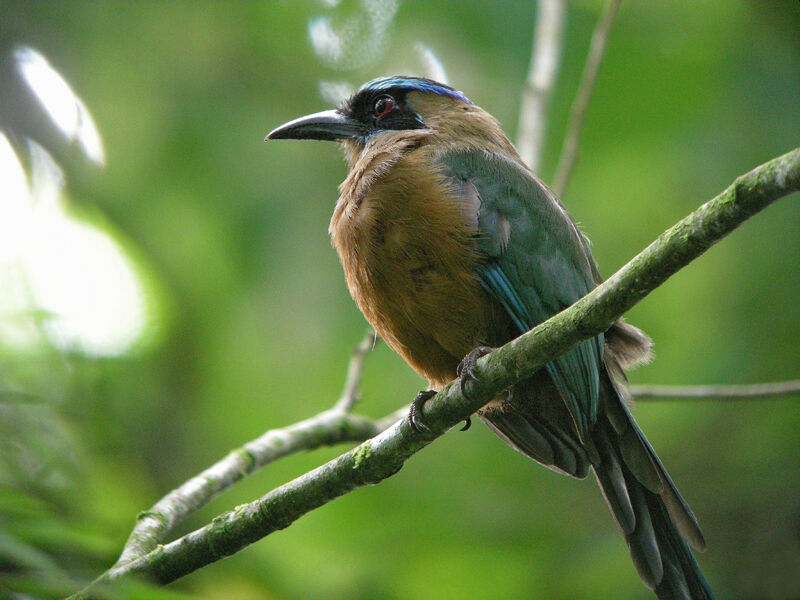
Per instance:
{"type": "Point", "coordinates": [451, 246]}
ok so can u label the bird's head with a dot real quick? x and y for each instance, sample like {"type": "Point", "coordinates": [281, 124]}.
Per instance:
{"type": "Point", "coordinates": [385, 105]}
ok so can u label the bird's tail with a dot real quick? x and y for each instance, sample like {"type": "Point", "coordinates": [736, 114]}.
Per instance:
{"type": "Point", "coordinates": [655, 519]}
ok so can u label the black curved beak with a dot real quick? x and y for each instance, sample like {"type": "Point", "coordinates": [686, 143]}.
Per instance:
{"type": "Point", "coordinates": [325, 125]}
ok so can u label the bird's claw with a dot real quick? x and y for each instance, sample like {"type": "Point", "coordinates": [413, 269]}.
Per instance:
{"type": "Point", "coordinates": [465, 370]}
{"type": "Point", "coordinates": [415, 413]}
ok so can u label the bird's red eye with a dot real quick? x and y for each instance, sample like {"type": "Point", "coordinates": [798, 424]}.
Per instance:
{"type": "Point", "coordinates": [383, 105]}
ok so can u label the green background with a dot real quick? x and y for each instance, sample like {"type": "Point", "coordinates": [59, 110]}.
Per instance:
{"type": "Point", "coordinates": [253, 325]}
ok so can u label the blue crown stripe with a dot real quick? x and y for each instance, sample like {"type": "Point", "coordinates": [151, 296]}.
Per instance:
{"type": "Point", "coordinates": [415, 84]}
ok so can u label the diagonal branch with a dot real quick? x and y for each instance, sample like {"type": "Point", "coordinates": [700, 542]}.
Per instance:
{"type": "Point", "coordinates": [597, 49]}
{"type": "Point", "coordinates": [384, 455]}
{"type": "Point", "coordinates": [330, 427]}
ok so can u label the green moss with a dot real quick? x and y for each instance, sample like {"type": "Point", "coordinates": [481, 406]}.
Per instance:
{"type": "Point", "coordinates": [247, 457]}
{"type": "Point", "coordinates": [362, 454]}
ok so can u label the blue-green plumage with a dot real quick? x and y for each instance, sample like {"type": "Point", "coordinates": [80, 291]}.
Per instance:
{"type": "Point", "coordinates": [449, 242]}
{"type": "Point", "coordinates": [544, 270]}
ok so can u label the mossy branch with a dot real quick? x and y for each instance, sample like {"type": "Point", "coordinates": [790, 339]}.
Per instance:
{"type": "Point", "coordinates": [328, 428]}
{"type": "Point", "coordinates": [382, 456]}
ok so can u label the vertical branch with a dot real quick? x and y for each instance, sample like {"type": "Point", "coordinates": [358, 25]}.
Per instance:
{"type": "Point", "coordinates": [597, 48]}
{"type": "Point", "coordinates": [545, 60]}
{"type": "Point", "coordinates": [350, 394]}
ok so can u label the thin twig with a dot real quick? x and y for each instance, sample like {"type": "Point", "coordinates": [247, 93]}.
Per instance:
{"type": "Point", "coordinates": [545, 59]}
{"type": "Point", "coordinates": [352, 383]}
{"type": "Point", "coordinates": [325, 429]}
{"type": "Point", "coordinates": [597, 48]}
{"type": "Point", "coordinates": [384, 455]}
{"type": "Point", "coordinates": [720, 392]}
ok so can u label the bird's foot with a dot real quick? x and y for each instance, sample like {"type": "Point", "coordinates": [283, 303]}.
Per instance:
{"type": "Point", "coordinates": [466, 368]}
{"type": "Point", "coordinates": [466, 371]}
{"type": "Point", "coordinates": [415, 413]}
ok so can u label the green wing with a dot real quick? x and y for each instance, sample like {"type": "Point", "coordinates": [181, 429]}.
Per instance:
{"type": "Point", "coordinates": [537, 263]}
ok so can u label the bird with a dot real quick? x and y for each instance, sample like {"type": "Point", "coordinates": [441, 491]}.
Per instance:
{"type": "Point", "coordinates": [450, 247]}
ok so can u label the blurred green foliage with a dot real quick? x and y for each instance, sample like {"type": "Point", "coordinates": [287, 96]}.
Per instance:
{"type": "Point", "coordinates": [256, 323]}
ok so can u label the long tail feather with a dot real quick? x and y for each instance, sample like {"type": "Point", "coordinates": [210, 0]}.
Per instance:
{"type": "Point", "coordinates": [661, 521]}
{"type": "Point", "coordinates": [656, 521]}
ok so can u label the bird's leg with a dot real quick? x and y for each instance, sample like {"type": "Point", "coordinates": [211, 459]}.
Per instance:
{"type": "Point", "coordinates": [415, 412]}
{"type": "Point", "coordinates": [465, 371]}
{"type": "Point", "coordinates": [466, 368]}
